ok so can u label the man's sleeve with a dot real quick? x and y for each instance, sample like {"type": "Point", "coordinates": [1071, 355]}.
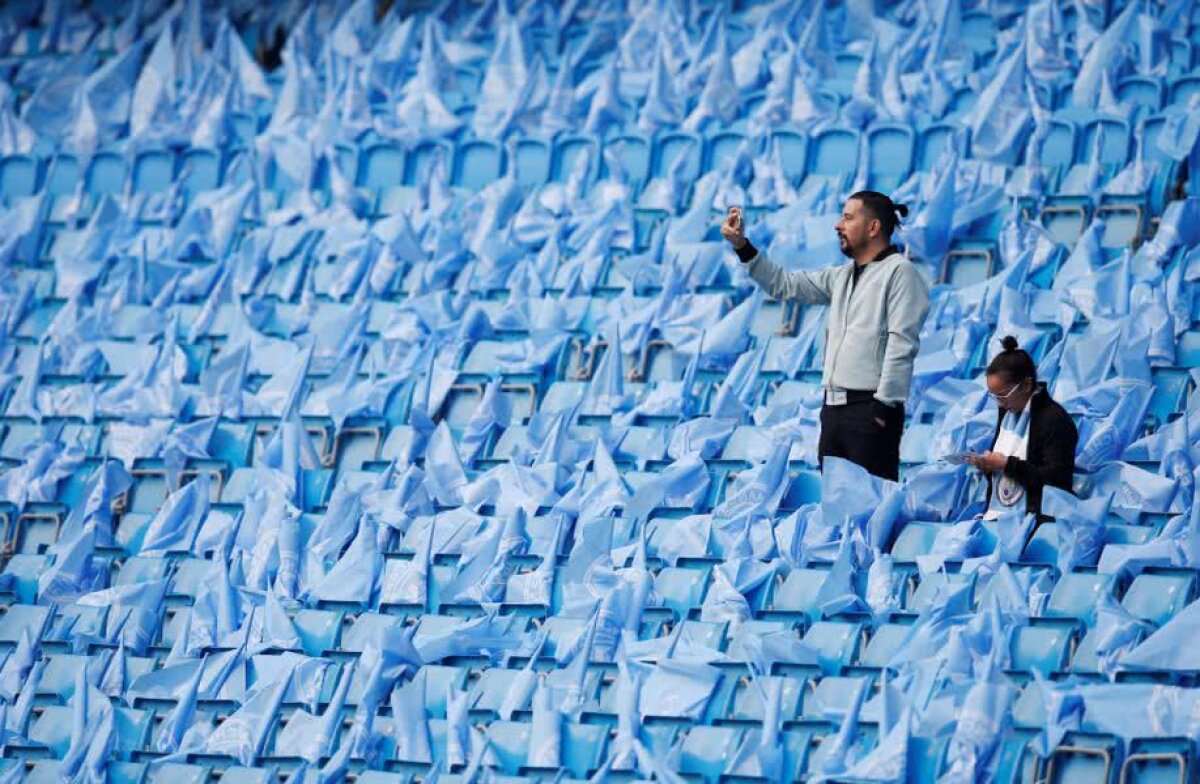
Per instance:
{"type": "Point", "coordinates": [810, 288]}
{"type": "Point", "coordinates": [907, 305]}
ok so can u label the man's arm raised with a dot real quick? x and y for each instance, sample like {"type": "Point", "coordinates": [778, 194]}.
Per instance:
{"type": "Point", "coordinates": [812, 288]}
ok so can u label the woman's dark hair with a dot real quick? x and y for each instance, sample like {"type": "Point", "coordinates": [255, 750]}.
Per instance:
{"type": "Point", "coordinates": [881, 207]}
{"type": "Point", "coordinates": [1013, 362]}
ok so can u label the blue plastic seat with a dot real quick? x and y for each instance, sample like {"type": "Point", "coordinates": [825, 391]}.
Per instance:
{"type": "Point", "coordinates": [1075, 595]}
{"type": "Point", "coordinates": [1158, 597]}
{"type": "Point", "coordinates": [201, 170]}
{"type": "Point", "coordinates": [1059, 146]}
{"type": "Point", "coordinates": [682, 589]}
{"type": "Point", "coordinates": [1084, 758]}
{"type": "Point", "coordinates": [833, 152]}
{"type": "Point", "coordinates": [793, 152]}
{"type": "Point", "coordinates": [422, 156]}
{"type": "Point", "coordinates": [1141, 91]}
{"type": "Point", "coordinates": [1114, 148]}
{"type": "Point", "coordinates": [890, 150]}
{"type": "Point", "coordinates": [634, 152]}
{"type": "Point", "coordinates": [932, 144]}
{"type": "Point", "coordinates": [1043, 649]}
{"type": "Point", "coordinates": [913, 540]}
{"type": "Point", "coordinates": [21, 618]}
{"type": "Point", "coordinates": [1158, 761]}
{"type": "Point", "coordinates": [566, 155]}
{"type": "Point", "coordinates": [382, 167]}
{"type": "Point", "coordinates": [1183, 88]}
{"type": "Point", "coordinates": [106, 174]}
{"type": "Point", "coordinates": [19, 176]}
{"type": "Point", "coordinates": [62, 174]}
{"type": "Point", "coordinates": [477, 163]}
{"type": "Point", "coordinates": [748, 704]}
{"type": "Point", "coordinates": [885, 643]}
{"type": "Point", "coordinates": [930, 587]}
{"type": "Point", "coordinates": [668, 148]}
{"type": "Point", "coordinates": [531, 157]}
{"type": "Point", "coordinates": [836, 643]}
{"type": "Point", "coordinates": [708, 751]}
{"type": "Point", "coordinates": [721, 148]}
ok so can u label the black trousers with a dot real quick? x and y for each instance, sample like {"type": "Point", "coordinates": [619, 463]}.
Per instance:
{"type": "Point", "coordinates": [851, 432]}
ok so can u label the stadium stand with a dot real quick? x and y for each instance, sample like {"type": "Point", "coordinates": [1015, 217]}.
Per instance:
{"type": "Point", "coordinates": [399, 414]}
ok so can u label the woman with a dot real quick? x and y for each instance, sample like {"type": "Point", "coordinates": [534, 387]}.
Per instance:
{"type": "Point", "coordinates": [1034, 444]}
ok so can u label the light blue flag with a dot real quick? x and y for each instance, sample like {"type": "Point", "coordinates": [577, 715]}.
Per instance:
{"type": "Point", "coordinates": [537, 586]}
{"type": "Point", "coordinates": [662, 108]}
{"type": "Point", "coordinates": [229, 49]}
{"type": "Point", "coordinates": [460, 734]}
{"type": "Point", "coordinates": [1167, 650]}
{"type": "Point", "coordinates": [312, 737]}
{"type": "Point", "coordinates": [445, 477]}
{"type": "Point", "coordinates": [488, 635]}
{"type": "Point", "coordinates": [184, 442]}
{"type": "Point", "coordinates": [484, 568]}
{"type": "Point", "coordinates": [1134, 490]}
{"type": "Point", "coordinates": [606, 394]}
{"type": "Point", "coordinates": [1001, 116]}
{"type": "Point", "coordinates": [133, 612]}
{"type": "Point", "coordinates": [17, 667]}
{"type": "Point", "coordinates": [734, 398]}
{"type": "Point", "coordinates": [838, 761]}
{"type": "Point", "coordinates": [407, 582]}
{"type": "Point", "coordinates": [73, 573]}
{"type": "Point", "coordinates": [628, 688]}
{"type": "Point", "coordinates": [1177, 138]}
{"type": "Point", "coordinates": [242, 734]}
{"type": "Point", "coordinates": [863, 107]}
{"type": "Point", "coordinates": [1105, 435]}
{"type": "Point", "coordinates": [154, 95]}
{"type": "Point", "coordinates": [409, 726]}
{"type": "Point", "coordinates": [18, 715]}
{"type": "Point", "coordinates": [1118, 632]}
{"type": "Point", "coordinates": [1103, 57]}
{"type": "Point", "coordinates": [888, 761]}
{"type": "Point", "coordinates": [179, 720]}
{"type": "Point", "coordinates": [605, 110]}
{"type": "Point", "coordinates": [523, 685]}
{"type": "Point", "coordinates": [1080, 526]}
{"type": "Point", "coordinates": [174, 527]}
{"type": "Point", "coordinates": [930, 232]}
{"type": "Point", "coordinates": [983, 718]}
{"type": "Point", "coordinates": [336, 529]}
{"type": "Point", "coordinates": [278, 629]}
{"type": "Point", "coordinates": [719, 100]}
{"type": "Point", "coordinates": [91, 727]}
{"type": "Point", "coordinates": [545, 731]}
{"type": "Point", "coordinates": [355, 576]}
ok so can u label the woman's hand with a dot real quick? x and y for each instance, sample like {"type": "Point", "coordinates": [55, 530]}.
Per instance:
{"type": "Point", "coordinates": [989, 462]}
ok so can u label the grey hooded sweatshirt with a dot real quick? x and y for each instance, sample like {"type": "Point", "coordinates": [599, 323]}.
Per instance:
{"type": "Point", "coordinates": [874, 325]}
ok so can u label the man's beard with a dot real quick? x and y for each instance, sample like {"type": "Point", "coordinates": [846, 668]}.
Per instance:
{"type": "Point", "coordinates": [847, 250]}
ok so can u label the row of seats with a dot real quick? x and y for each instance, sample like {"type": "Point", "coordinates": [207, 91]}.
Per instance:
{"type": "Point", "coordinates": [892, 151]}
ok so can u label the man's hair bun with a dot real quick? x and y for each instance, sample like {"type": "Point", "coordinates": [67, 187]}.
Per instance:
{"type": "Point", "coordinates": [902, 210]}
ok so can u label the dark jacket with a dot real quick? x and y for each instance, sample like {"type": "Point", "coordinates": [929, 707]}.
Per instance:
{"type": "Point", "coordinates": [1049, 454]}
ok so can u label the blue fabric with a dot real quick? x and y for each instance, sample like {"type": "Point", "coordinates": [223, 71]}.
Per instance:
{"type": "Point", "coordinates": [205, 266]}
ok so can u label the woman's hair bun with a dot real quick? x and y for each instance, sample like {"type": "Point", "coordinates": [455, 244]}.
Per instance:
{"type": "Point", "coordinates": [1009, 343]}
{"type": "Point", "coordinates": [902, 210]}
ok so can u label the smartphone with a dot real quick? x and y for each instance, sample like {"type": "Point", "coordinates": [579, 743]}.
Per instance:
{"type": "Point", "coordinates": [959, 458]}
{"type": "Point", "coordinates": [735, 218]}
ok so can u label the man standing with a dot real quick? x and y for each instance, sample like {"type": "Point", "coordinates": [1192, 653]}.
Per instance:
{"type": "Point", "coordinates": [877, 304]}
